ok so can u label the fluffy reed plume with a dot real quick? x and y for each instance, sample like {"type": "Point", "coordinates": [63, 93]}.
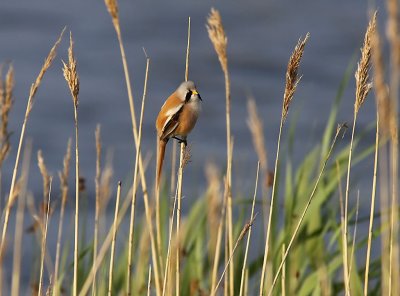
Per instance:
{"type": "Point", "coordinates": [45, 174]}
{"type": "Point", "coordinates": [291, 84]}
{"type": "Point", "coordinates": [29, 107]}
{"type": "Point", "coordinates": [6, 103]}
{"type": "Point", "coordinates": [363, 85]}
{"type": "Point", "coordinates": [19, 221]}
{"type": "Point", "coordinates": [63, 176]}
{"type": "Point", "coordinates": [45, 225]}
{"type": "Point", "coordinates": [71, 76]}
{"type": "Point", "coordinates": [114, 235]}
{"type": "Point", "coordinates": [292, 78]}
{"type": "Point", "coordinates": [217, 35]}
{"type": "Point", "coordinates": [112, 7]}
{"type": "Point", "coordinates": [312, 194]}
{"type": "Point", "coordinates": [97, 209]}
{"type": "Point", "coordinates": [255, 125]}
{"type": "Point", "coordinates": [248, 237]}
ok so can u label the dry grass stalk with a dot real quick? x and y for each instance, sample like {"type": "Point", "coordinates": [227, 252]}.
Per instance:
{"type": "Point", "coordinates": [218, 38]}
{"type": "Point", "coordinates": [363, 83]}
{"type": "Point", "coordinates": [248, 237]}
{"type": "Point", "coordinates": [283, 279]}
{"type": "Point", "coordinates": [71, 76]}
{"type": "Point", "coordinates": [183, 160]}
{"type": "Point", "coordinates": [372, 212]}
{"type": "Point", "coordinates": [244, 231]}
{"type": "Point", "coordinates": [338, 130]}
{"type": "Point", "coordinates": [44, 239]}
{"type": "Point", "coordinates": [63, 176]}
{"type": "Point", "coordinates": [107, 242]}
{"type": "Point", "coordinates": [44, 173]}
{"type": "Point", "coordinates": [394, 40]}
{"type": "Point", "coordinates": [114, 226]}
{"type": "Point", "coordinates": [291, 84]}
{"type": "Point", "coordinates": [6, 103]}
{"type": "Point", "coordinates": [19, 222]}
{"type": "Point", "coordinates": [97, 207]}
{"type": "Point", "coordinates": [112, 7]}
{"type": "Point", "coordinates": [135, 182]}
{"type": "Point", "coordinates": [292, 78]}
{"type": "Point", "coordinates": [32, 93]}
{"type": "Point", "coordinates": [168, 259]}
{"type": "Point", "coordinates": [354, 238]}
{"type": "Point", "coordinates": [219, 239]}
{"type": "Point", "coordinates": [344, 241]}
{"type": "Point", "coordinates": [149, 282]}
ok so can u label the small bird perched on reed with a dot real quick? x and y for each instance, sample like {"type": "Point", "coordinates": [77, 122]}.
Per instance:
{"type": "Point", "coordinates": [176, 119]}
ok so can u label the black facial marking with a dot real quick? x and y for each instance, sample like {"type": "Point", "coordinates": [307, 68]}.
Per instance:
{"type": "Point", "coordinates": [188, 95]}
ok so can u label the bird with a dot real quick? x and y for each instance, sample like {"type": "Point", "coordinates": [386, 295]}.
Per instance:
{"type": "Point", "coordinates": [176, 119]}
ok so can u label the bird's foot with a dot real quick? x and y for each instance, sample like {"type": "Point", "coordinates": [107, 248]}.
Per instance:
{"type": "Point", "coordinates": [183, 140]}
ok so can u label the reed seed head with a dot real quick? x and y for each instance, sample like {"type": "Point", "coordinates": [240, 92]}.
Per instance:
{"type": "Point", "coordinates": [6, 103]}
{"type": "Point", "coordinates": [112, 7]}
{"type": "Point", "coordinates": [65, 173]}
{"type": "Point", "coordinates": [47, 63]}
{"type": "Point", "coordinates": [71, 74]}
{"type": "Point", "coordinates": [256, 128]}
{"type": "Point", "coordinates": [292, 78]}
{"type": "Point", "coordinates": [363, 83]}
{"type": "Point", "coordinates": [45, 174]}
{"type": "Point", "coordinates": [217, 35]}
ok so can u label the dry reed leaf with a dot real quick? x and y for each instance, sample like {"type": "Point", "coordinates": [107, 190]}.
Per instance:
{"type": "Point", "coordinates": [46, 65]}
{"type": "Point", "coordinates": [292, 78]}
{"type": "Point", "coordinates": [217, 35]}
{"type": "Point", "coordinates": [256, 128]}
{"type": "Point", "coordinates": [363, 83]}
{"type": "Point", "coordinates": [70, 72]}
{"type": "Point", "coordinates": [45, 174]}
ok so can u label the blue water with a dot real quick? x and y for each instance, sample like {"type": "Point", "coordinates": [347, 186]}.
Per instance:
{"type": "Point", "coordinates": [261, 36]}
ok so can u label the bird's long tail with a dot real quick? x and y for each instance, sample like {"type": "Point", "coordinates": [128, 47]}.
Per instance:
{"type": "Point", "coordinates": [160, 159]}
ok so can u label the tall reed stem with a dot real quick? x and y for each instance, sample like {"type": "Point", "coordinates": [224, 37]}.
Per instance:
{"type": "Point", "coordinates": [44, 240]}
{"type": "Point", "coordinates": [132, 219]}
{"type": "Point", "coordinates": [248, 237]}
{"type": "Point", "coordinates": [371, 215]}
{"type": "Point", "coordinates": [115, 227]}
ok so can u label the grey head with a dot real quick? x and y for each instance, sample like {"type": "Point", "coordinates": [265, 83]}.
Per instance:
{"type": "Point", "coordinates": [187, 90]}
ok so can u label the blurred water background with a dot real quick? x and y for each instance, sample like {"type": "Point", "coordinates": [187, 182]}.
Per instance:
{"type": "Point", "coordinates": [261, 36]}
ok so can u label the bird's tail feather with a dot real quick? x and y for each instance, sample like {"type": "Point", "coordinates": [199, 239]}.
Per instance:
{"type": "Point", "coordinates": [160, 159]}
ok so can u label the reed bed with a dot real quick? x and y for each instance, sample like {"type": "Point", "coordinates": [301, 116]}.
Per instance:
{"type": "Point", "coordinates": [304, 231]}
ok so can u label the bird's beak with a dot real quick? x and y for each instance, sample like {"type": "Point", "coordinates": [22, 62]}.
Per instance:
{"type": "Point", "coordinates": [195, 92]}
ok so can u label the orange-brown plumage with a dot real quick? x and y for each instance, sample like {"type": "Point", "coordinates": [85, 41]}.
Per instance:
{"type": "Point", "coordinates": [176, 118]}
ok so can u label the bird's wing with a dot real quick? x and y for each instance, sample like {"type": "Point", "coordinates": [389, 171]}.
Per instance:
{"type": "Point", "coordinates": [172, 122]}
